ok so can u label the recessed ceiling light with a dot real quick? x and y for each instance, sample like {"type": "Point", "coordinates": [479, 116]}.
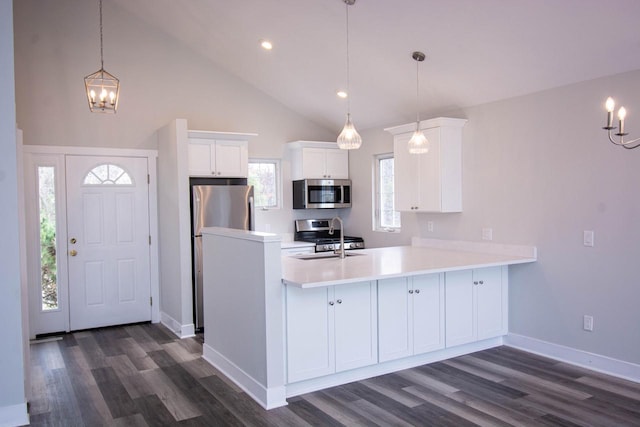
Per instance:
{"type": "Point", "coordinates": [266, 44]}
{"type": "Point", "coordinates": [341, 94]}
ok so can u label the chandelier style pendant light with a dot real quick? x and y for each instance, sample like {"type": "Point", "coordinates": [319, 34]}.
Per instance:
{"type": "Point", "coordinates": [103, 89]}
{"type": "Point", "coordinates": [418, 143]}
{"type": "Point", "coordinates": [622, 113]}
{"type": "Point", "coordinates": [349, 138]}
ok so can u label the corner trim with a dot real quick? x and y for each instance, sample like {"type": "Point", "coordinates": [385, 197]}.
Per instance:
{"type": "Point", "coordinates": [267, 397]}
{"type": "Point", "coordinates": [182, 331]}
{"type": "Point", "coordinates": [14, 415]}
{"type": "Point", "coordinates": [595, 362]}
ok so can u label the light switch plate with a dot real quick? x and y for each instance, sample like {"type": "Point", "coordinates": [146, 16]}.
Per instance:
{"type": "Point", "coordinates": [588, 238]}
{"type": "Point", "coordinates": [487, 234]}
{"type": "Point", "coordinates": [429, 226]}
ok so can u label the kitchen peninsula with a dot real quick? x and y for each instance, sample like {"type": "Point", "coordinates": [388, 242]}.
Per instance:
{"type": "Point", "coordinates": [282, 326]}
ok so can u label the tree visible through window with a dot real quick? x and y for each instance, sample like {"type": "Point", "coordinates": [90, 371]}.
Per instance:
{"type": "Point", "coordinates": [387, 218]}
{"type": "Point", "coordinates": [264, 175]}
{"type": "Point", "coordinates": [48, 258]}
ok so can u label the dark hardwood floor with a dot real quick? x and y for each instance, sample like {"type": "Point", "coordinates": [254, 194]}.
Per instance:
{"type": "Point", "coordinates": [142, 375]}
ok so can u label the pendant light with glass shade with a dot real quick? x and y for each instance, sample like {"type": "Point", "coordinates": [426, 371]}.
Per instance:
{"type": "Point", "coordinates": [349, 138]}
{"type": "Point", "coordinates": [103, 89]}
{"type": "Point", "coordinates": [418, 144]}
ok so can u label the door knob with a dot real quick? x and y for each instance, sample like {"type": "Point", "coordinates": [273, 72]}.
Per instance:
{"type": "Point", "coordinates": [73, 240]}
{"type": "Point", "coordinates": [73, 252]}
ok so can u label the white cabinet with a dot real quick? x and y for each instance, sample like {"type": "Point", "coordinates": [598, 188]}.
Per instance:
{"type": "Point", "coordinates": [429, 182]}
{"type": "Point", "coordinates": [318, 160]}
{"type": "Point", "coordinates": [410, 316]}
{"type": "Point", "coordinates": [476, 305]}
{"type": "Point", "coordinates": [330, 329]}
{"type": "Point", "coordinates": [218, 157]}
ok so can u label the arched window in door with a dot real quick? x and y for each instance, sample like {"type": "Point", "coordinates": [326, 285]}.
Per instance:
{"type": "Point", "coordinates": [107, 174]}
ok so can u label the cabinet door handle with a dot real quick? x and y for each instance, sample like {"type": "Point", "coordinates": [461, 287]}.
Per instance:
{"type": "Point", "coordinates": [331, 302]}
{"type": "Point", "coordinates": [339, 301]}
{"type": "Point", "coordinates": [417, 291]}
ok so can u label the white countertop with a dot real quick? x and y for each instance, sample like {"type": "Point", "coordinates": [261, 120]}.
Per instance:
{"type": "Point", "coordinates": [381, 263]}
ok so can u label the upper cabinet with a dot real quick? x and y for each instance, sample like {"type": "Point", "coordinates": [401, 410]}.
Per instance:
{"type": "Point", "coordinates": [318, 160]}
{"type": "Point", "coordinates": [429, 182]}
{"type": "Point", "coordinates": [218, 154]}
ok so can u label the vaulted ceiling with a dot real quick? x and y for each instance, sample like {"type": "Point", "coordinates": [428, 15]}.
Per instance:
{"type": "Point", "coordinates": [478, 51]}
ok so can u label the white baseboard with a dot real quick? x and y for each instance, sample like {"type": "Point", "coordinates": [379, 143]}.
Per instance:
{"type": "Point", "coordinates": [315, 384]}
{"type": "Point", "coordinates": [595, 362]}
{"type": "Point", "coordinates": [14, 415]}
{"type": "Point", "coordinates": [268, 398]}
{"type": "Point", "coordinates": [182, 331]}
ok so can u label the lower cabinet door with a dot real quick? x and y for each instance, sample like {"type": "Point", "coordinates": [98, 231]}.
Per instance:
{"type": "Point", "coordinates": [395, 329]}
{"type": "Point", "coordinates": [428, 313]}
{"type": "Point", "coordinates": [356, 330]}
{"type": "Point", "coordinates": [491, 302]}
{"type": "Point", "coordinates": [459, 308]}
{"type": "Point", "coordinates": [310, 337]}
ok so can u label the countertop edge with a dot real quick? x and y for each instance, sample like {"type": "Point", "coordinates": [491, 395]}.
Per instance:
{"type": "Point", "coordinates": [311, 285]}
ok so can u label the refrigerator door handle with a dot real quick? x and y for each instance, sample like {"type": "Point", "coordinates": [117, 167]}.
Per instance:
{"type": "Point", "coordinates": [252, 218]}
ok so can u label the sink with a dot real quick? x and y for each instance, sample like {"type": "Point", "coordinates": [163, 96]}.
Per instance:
{"type": "Point", "coordinates": [324, 255]}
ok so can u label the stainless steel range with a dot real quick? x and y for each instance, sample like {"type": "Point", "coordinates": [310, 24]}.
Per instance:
{"type": "Point", "coordinates": [317, 231]}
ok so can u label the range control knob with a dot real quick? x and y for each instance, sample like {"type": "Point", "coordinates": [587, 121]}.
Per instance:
{"type": "Point", "coordinates": [326, 247]}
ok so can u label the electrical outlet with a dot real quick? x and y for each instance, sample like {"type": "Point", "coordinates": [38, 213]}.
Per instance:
{"type": "Point", "coordinates": [430, 226]}
{"type": "Point", "coordinates": [487, 234]}
{"type": "Point", "coordinates": [588, 238]}
{"type": "Point", "coordinates": [587, 323]}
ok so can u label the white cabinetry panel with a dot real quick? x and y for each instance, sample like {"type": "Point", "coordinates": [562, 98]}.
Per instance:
{"type": "Point", "coordinates": [330, 329]}
{"type": "Point", "coordinates": [318, 160]}
{"type": "Point", "coordinates": [476, 305]}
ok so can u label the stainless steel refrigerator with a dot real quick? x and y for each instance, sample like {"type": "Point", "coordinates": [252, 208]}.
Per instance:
{"type": "Point", "coordinates": [216, 202]}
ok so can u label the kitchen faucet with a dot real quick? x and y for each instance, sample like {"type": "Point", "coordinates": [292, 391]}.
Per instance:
{"type": "Point", "coordinates": [340, 250]}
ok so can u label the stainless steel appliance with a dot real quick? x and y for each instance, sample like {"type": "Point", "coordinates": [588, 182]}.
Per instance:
{"type": "Point", "coordinates": [317, 231]}
{"type": "Point", "coordinates": [321, 193]}
{"type": "Point", "coordinates": [216, 202]}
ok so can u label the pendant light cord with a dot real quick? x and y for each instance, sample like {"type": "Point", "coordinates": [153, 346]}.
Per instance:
{"type": "Point", "coordinates": [348, 86]}
{"type": "Point", "coordinates": [101, 55]}
{"type": "Point", "coordinates": [418, 92]}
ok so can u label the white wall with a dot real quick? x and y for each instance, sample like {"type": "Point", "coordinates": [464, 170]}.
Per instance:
{"type": "Point", "coordinates": [539, 170]}
{"type": "Point", "coordinates": [12, 369]}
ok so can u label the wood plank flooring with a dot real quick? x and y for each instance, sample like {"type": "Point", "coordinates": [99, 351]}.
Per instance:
{"type": "Point", "coordinates": [142, 375]}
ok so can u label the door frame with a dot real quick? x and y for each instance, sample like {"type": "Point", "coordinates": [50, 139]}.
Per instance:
{"type": "Point", "coordinates": [31, 152]}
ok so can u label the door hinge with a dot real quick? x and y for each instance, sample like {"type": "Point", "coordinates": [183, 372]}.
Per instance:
{"type": "Point", "coordinates": [149, 239]}
{"type": "Point", "coordinates": [150, 300]}
{"type": "Point", "coordinates": [148, 179]}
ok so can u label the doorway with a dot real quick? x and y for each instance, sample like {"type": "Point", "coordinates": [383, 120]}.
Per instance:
{"type": "Point", "coordinates": [91, 238]}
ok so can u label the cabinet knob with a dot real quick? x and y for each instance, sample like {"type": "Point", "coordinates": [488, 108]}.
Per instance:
{"type": "Point", "coordinates": [475, 283]}
{"type": "Point", "coordinates": [410, 291]}
{"type": "Point", "coordinates": [417, 291]}
{"type": "Point", "coordinates": [339, 301]}
{"type": "Point", "coordinates": [481, 282]}
{"type": "Point", "coordinates": [331, 302]}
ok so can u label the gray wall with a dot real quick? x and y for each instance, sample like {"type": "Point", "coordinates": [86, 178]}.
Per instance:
{"type": "Point", "coordinates": [539, 170]}
{"type": "Point", "coordinates": [12, 391]}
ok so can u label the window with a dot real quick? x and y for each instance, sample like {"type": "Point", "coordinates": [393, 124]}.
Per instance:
{"type": "Point", "coordinates": [264, 175]}
{"type": "Point", "coordinates": [386, 217]}
{"type": "Point", "coordinates": [48, 258]}
{"type": "Point", "coordinates": [107, 175]}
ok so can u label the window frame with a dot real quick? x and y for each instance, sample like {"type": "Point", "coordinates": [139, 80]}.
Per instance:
{"type": "Point", "coordinates": [377, 212]}
{"type": "Point", "coordinates": [278, 172]}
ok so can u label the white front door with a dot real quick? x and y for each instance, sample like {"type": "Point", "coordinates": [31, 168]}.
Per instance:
{"type": "Point", "coordinates": [107, 240]}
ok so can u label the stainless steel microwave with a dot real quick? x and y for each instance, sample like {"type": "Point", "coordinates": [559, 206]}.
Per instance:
{"type": "Point", "coordinates": [321, 193]}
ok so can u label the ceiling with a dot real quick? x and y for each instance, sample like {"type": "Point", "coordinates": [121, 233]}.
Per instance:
{"type": "Point", "coordinates": [478, 51]}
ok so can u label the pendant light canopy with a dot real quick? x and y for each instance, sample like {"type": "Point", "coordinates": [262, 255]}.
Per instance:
{"type": "Point", "coordinates": [418, 144]}
{"type": "Point", "coordinates": [349, 138]}
{"type": "Point", "coordinates": [103, 88]}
